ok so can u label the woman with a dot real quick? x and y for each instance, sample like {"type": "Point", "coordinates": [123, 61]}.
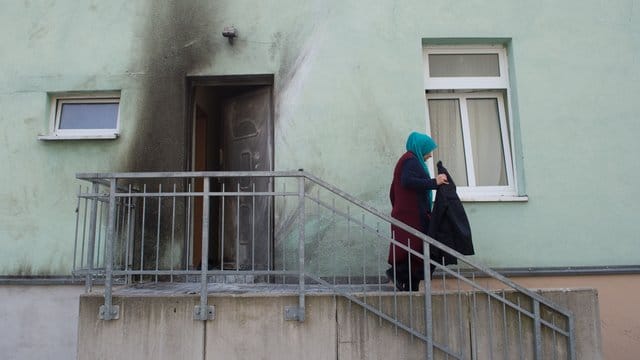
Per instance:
{"type": "Point", "coordinates": [411, 200]}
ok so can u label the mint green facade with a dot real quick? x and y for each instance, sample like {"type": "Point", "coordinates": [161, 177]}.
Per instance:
{"type": "Point", "coordinates": [348, 88]}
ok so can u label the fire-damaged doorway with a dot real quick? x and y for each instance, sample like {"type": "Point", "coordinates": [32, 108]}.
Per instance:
{"type": "Point", "coordinates": [232, 130]}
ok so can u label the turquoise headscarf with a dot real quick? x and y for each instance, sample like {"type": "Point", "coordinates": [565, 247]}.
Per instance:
{"type": "Point", "coordinates": [420, 145]}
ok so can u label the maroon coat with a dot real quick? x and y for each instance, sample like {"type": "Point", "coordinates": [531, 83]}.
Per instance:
{"type": "Point", "coordinates": [408, 199]}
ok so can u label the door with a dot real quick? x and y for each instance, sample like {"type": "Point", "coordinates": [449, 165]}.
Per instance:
{"type": "Point", "coordinates": [245, 236]}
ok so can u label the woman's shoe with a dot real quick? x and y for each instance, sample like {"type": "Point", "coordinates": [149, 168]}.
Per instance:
{"type": "Point", "coordinates": [399, 285]}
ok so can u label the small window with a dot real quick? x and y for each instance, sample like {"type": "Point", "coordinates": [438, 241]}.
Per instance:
{"type": "Point", "coordinates": [84, 117]}
{"type": "Point", "coordinates": [467, 92]}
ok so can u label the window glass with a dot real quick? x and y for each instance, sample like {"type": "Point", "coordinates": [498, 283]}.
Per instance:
{"type": "Point", "coordinates": [88, 116]}
{"type": "Point", "coordinates": [486, 142]}
{"type": "Point", "coordinates": [446, 129]}
{"type": "Point", "coordinates": [463, 65]}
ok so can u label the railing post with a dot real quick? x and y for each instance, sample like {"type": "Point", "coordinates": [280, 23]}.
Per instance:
{"type": "Point", "coordinates": [537, 330]}
{"type": "Point", "coordinates": [301, 218]}
{"type": "Point", "coordinates": [572, 338]}
{"type": "Point", "coordinates": [297, 312]}
{"type": "Point", "coordinates": [203, 311]}
{"type": "Point", "coordinates": [88, 282]}
{"type": "Point", "coordinates": [428, 319]}
{"type": "Point", "coordinates": [108, 311]}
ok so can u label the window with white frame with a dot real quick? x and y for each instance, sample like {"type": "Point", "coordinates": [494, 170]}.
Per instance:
{"type": "Point", "coordinates": [467, 93]}
{"type": "Point", "coordinates": [93, 116]}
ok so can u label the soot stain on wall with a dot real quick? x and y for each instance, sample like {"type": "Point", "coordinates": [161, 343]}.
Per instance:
{"type": "Point", "coordinates": [175, 40]}
{"type": "Point", "coordinates": [180, 39]}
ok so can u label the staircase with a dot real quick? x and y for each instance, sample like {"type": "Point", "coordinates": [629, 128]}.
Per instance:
{"type": "Point", "coordinates": [136, 229]}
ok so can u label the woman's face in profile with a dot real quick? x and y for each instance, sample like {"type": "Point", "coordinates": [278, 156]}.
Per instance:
{"type": "Point", "coordinates": [427, 156]}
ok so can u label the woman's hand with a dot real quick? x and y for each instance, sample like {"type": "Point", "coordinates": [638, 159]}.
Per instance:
{"type": "Point", "coordinates": [441, 179]}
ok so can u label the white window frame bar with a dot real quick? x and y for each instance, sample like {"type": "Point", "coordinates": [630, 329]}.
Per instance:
{"type": "Point", "coordinates": [466, 140]}
{"type": "Point", "coordinates": [472, 188]}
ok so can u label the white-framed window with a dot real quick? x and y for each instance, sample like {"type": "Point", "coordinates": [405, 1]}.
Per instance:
{"type": "Point", "coordinates": [86, 116]}
{"type": "Point", "coordinates": [467, 96]}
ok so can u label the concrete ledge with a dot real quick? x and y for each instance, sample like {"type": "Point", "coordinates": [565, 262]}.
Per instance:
{"type": "Point", "coordinates": [39, 322]}
{"type": "Point", "coordinates": [252, 326]}
{"type": "Point", "coordinates": [585, 307]}
{"type": "Point", "coordinates": [148, 328]}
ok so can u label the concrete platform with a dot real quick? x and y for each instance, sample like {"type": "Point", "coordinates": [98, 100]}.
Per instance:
{"type": "Point", "coordinates": [156, 322]}
{"type": "Point", "coordinates": [190, 288]}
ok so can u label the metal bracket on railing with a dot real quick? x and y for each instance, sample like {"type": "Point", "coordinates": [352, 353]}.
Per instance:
{"type": "Point", "coordinates": [109, 313]}
{"type": "Point", "coordinates": [209, 313]}
{"type": "Point", "coordinates": [293, 313]}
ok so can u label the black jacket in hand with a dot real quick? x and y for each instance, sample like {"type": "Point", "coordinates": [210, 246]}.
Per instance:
{"type": "Point", "coordinates": [449, 223]}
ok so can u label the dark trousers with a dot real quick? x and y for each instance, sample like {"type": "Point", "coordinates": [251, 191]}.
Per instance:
{"type": "Point", "coordinates": [408, 279]}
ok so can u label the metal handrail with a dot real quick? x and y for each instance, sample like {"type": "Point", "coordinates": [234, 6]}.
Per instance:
{"type": "Point", "coordinates": [188, 174]}
{"type": "Point", "coordinates": [116, 202]}
{"type": "Point", "coordinates": [431, 241]}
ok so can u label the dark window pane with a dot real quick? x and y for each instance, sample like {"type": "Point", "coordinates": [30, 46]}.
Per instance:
{"type": "Point", "coordinates": [455, 65]}
{"type": "Point", "coordinates": [88, 116]}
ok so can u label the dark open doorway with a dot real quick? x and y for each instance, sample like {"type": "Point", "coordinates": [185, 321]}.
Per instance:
{"type": "Point", "coordinates": [232, 130]}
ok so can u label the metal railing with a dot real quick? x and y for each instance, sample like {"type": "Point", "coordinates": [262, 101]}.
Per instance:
{"type": "Point", "coordinates": [294, 229]}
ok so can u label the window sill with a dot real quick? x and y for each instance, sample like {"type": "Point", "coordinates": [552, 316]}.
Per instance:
{"type": "Point", "coordinates": [493, 198]}
{"type": "Point", "coordinates": [77, 137]}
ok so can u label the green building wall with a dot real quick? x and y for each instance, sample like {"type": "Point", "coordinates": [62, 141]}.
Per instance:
{"type": "Point", "coordinates": [348, 89]}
